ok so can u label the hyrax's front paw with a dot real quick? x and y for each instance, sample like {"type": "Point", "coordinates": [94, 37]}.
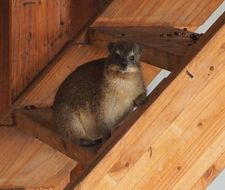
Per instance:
{"type": "Point", "coordinates": [141, 99]}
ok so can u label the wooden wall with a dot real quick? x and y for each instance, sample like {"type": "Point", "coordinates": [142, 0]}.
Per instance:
{"type": "Point", "coordinates": [37, 30]}
{"type": "Point", "coordinates": [40, 28]}
{"type": "Point", "coordinates": [27, 162]}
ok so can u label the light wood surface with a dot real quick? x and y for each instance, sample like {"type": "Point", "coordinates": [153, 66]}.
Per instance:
{"type": "Point", "coordinates": [180, 135]}
{"type": "Point", "coordinates": [26, 162]}
{"type": "Point", "coordinates": [211, 173]}
{"type": "Point", "coordinates": [40, 29]}
{"type": "Point", "coordinates": [182, 13]}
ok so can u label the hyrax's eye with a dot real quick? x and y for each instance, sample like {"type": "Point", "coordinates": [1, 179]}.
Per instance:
{"type": "Point", "coordinates": [132, 58]}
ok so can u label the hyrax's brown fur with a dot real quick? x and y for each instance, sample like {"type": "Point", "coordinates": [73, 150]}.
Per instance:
{"type": "Point", "coordinates": [97, 95]}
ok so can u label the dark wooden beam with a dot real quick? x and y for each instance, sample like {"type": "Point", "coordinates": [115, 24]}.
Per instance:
{"type": "Point", "coordinates": [5, 94]}
{"type": "Point", "coordinates": [164, 45]}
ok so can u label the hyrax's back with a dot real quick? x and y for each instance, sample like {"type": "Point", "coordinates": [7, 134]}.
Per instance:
{"type": "Point", "coordinates": [76, 101]}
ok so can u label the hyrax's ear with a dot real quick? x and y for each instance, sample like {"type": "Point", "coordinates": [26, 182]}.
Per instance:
{"type": "Point", "coordinates": [140, 48]}
{"type": "Point", "coordinates": [111, 47]}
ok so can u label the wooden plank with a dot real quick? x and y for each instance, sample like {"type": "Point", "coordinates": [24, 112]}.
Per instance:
{"type": "Point", "coordinates": [164, 46]}
{"type": "Point", "coordinates": [210, 174]}
{"type": "Point", "coordinates": [179, 136]}
{"type": "Point", "coordinates": [39, 123]}
{"type": "Point", "coordinates": [5, 83]}
{"type": "Point", "coordinates": [182, 13]}
{"type": "Point", "coordinates": [56, 73]}
{"type": "Point", "coordinates": [70, 46]}
{"type": "Point", "coordinates": [28, 163]}
{"type": "Point", "coordinates": [38, 36]}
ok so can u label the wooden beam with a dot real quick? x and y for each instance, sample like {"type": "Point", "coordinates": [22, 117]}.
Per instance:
{"type": "Point", "coordinates": [39, 123]}
{"type": "Point", "coordinates": [164, 45]}
{"type": "Point", "coordinates": [5, 82]}
{"type": "Point", "coordinates": [179, 14]}
{"type": "Point", "coordinates": [178, 136]}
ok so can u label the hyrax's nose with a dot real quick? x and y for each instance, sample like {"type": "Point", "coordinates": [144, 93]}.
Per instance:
{"type": "Point", "coordinates": [124, 63]}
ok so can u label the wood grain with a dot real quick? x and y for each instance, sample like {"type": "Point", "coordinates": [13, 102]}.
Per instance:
{"type": "Point", "coordinates": [27, 162]}
{"type": "Point", "coordinates": [42, 35]}
{"type": "Point", "coordinates": [5, 83]}
{"type": "Point", "coordinates": [210, 174]}
{"type": "Point", "coordinates": [39, 123]}
{"type": "Point", "coordinates": [182, 13]}
{"type": "Point", "coordinates": [180, 135]}
{"type": "Point", "coordinates": [165, 47]}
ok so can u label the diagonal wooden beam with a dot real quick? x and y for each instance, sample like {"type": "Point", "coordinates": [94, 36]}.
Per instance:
{"type": "Point", "coordinates": [165, 46]}
{"type": "Point", "coordinates": [176, 132]}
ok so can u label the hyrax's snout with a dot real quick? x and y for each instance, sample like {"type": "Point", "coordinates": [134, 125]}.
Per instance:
{"type": "Point", "coordinates": [123, 64]}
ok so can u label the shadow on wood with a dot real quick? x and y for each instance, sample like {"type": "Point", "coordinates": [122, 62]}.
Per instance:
{"type": "Point", "coordinates": [39, 123]}
{"type": "Point", "coordinates": [164, 45]}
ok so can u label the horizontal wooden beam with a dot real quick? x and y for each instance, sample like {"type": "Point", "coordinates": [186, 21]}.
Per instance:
{"type": "Point", "coordinates": [178, 136]}
{"type": "Point", "coordinates": [39, 123]}
{"type": "Point", "coordinates": [164, 45]}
